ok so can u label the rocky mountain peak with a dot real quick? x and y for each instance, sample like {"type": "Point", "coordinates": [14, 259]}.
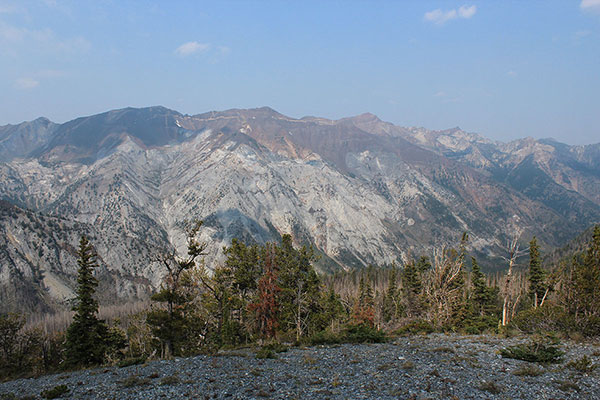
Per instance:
{"type": "Point", "coordinates": [360, 190]}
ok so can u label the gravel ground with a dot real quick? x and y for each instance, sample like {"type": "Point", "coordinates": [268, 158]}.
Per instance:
{"type": "Point", "coordinates": [419, 367]}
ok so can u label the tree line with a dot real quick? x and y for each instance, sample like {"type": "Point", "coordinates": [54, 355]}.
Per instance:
{"type": "Point", "coordinates": [271, 293]}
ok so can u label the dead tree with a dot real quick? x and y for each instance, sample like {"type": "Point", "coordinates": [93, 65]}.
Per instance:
{"type": "Point", "coordinates": [443, 288]}
{"type": "Point", "coordinates": [510, 302]}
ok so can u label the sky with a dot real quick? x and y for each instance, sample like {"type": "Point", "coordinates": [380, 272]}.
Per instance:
{"type": "Point", "coordinates": [503, 69]}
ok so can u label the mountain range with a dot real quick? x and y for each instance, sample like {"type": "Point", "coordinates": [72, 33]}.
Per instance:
{"type": "Point", "coordinates": [359, 190]}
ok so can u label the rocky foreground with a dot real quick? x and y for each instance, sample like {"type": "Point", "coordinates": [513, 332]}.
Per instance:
{"type": "Point", "coordinates": [418, 367]}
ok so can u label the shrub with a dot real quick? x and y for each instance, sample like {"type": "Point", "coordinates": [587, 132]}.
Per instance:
{"type": "Point", "coordinates": [590, 327]}
{"type": "Point", "coordinates": [363, 333]}
{"type": "Point", "coordinates": [55, 392]}
{"type": "Point", "coordinates": [134, 380]}
{"type": "Point", "coordinates": [490, 386]}
{"type": "Point", "coordinates": [265, 353]}
{"type": "Point", "coordinates": [567, 386]}
{"type": "Point", "coordinates": [548, 318]}
{"type": "Point", "coordinates": [537, 350]}
{"type": "Point", "coordinates": [127, 362]}
{"type": "Point", "coordinates": [414, 327]}
{"type": "Point", "coordinates": [169, 380]}
{"type": "Point", "coordinates": [480, 324]}
{"type": "Point", "coordinates": [276, 347]}
{"type": "Point", "coordinates": [583, 365]}
{"type": "Point", "coordinates": [528, 370]}
{"type": "Point", "coordinates": [325, 337]}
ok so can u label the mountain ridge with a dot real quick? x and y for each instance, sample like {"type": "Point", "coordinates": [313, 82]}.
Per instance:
{"type": "Point", "coordinates": [360, 190]}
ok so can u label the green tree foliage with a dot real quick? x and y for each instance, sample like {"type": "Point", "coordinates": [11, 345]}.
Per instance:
{"type": "Point", "coordinates": [482, 305]}
{"type": "Point", "coordinates": [483, 297]}
{"type": "Point", "coordinates": [537, 276]}
{"type": "Point", "coordinates": [300, 285]}
{"type": "Point", "coordinates": [226, 305]}
{"type": "Point", "coordinates": [392, 308]}
{"type": "Point", "coordinates": [332, 311]}
{"type": "Point", "coordinates": [584, 299]}
{"type": "Point", "coordinates": [412, 286]}
{"type": "Point", "coordinates": [26, 352]}
{"type": "Point", "coordinates": [244, 263]}
{"type": "Point", "coordinates": [363, 311]}
{"type": "Point", "coordinates": [10, 327]}
{"type": "Point", "coordinates": [229, 291]}
{"type": "Point", "coordinates": [174, 322]}
{"type": "Point", "coordinates": [88, 339]}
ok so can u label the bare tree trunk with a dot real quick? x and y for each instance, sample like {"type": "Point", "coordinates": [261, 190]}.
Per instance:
{"type": "Point", "coordinates": [513, 253]}
{"type": "Point", "coordinates": [544, 298]}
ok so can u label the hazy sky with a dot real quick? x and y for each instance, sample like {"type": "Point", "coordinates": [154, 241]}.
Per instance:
{"type": "Point", "coordinates": [503, 69]}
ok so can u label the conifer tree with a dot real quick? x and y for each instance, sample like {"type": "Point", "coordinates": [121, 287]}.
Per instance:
{"type": "Point", "coordinates": [391, 302]}
{"type": "Point", "coordinates": [412, 286]}
{"type": "Point", "coordinates": [537, 286]}
{"type": "Point", "coordinates": [483, 297]}
{"type": "Point", "coordinates": [363, 310]}
{"type": "Point", "coordinates": [86, 338]}
{"type": "Point", "coordinates": [332, 309]}
{"type": "Point", "coordinates": [482, 307]}
{"type": "Point", "coordinates": [300, 286]}
{"type": "Point", "coordinates": [171, 323]}
{"type": "Point", "coordinates": [266, 306]}
{"type": "Point", "coordinates": [586, 281]}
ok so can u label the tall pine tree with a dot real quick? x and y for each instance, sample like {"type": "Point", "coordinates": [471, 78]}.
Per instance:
{"type": "Point", "coordinates": [586, 281]}
{"type": "Point", "coordinates": [537, 286]}
{"type": "Point", "coordinates": [87, 336]}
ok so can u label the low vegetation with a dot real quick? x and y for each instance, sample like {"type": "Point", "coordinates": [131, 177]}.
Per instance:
{"type": "Point", "coordinates": [55, 392]}
{"type": "Point", "coordinates": [538, 350]}
{"type": "Point", "coordinates": [271, 294]}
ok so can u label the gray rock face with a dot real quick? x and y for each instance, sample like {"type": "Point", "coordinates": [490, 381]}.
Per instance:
{"type": "Point", "coordinates": [358, 189]}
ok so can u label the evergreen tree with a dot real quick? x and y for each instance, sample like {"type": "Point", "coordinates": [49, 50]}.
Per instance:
{"type": "Point", "coordinates": [484, 297]}
{"type": "Point", "coordinates": [391, 302]}
{"type": "Point", "coordinates": [244, 263]}
{"type": "Point", "coordinates": [412, 286]}
{"type": "Point", "coordinates": [460, 308]}
{"type": "Point", "coordinates": [86, 338]}
{"type": "Point", "coordinates": [423, 265]}
{"type": "Point", "coordinates": [364, 305]}
{"type": "Point", "coordinates": [266, 306]}
{"type": "Point", "coordinates": [172, 323]}
{"type": "Point", "coordinates": [300, 287]}
{"type": "Point", "coordinates": [537, 286]}
{"type": "Point", "coordinates": [332, 309]}
{"type": "Point", "coordinates": [482, 309]}
{"type": "Point", "coordinates": [586, 281]}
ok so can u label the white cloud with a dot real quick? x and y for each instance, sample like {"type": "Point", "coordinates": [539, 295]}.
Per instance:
{"type": "Point", "coordinates": [511, 73]}
{"type": "Point", "coordinates": [440, 17]}
{"type": "Point", "coordinates": [590, 5]}
{"type": "Point", "coordinates": [190, 48]}
{"type": "Point", "coordinates": [440, 94]}
{"type": "Point", "coordinates": [26, 83]}
{"type": "Point", "coordinates": [467, 12]}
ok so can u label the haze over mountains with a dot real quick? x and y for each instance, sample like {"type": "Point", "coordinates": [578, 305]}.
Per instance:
{"type": "Point", "coordinates": [358, 189]}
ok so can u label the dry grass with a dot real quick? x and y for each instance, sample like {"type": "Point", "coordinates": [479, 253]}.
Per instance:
{"type": "Point", "coordinates": [59, 321]}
